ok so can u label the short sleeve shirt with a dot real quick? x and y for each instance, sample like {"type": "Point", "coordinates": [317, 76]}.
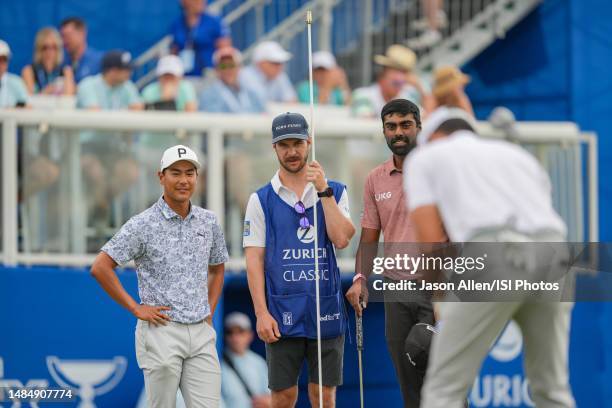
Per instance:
{"type": "Point", "coordinates": [279, 89]}
{"type": "Point", "coordinates": [172, 256]}
{"type": "Point", "coordinates": [201, 39]}
{"type": "Point", "coordinates": [88, 65]}
{"type": "Point", "coordinates": [384, 204]}
{"type": "Point", "coordinates": [218, 97]}
{"type": "Point", "coordinates": [95, 92]}
{"type": "Point", "coordinates": [12, 91]}
{"type": "Point", "coordinates": [186, 93]}
{"type": "Point", "coordinates": [384, 209]}
{"type": "Point", "coordinates": [481, 185]}
{"type": "Point", "coordinates": [253, 369]}
{"type": "Point", "coordinates": [303, 90]}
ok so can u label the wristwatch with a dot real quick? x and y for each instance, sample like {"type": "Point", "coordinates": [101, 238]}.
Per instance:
{"type": "Point", "coordinates": [328, 192]}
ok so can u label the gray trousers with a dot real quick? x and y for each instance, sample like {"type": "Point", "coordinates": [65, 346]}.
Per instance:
{"type": "Point", "coordinates": [179, 356]}
{"type": "Point", "coordinates": [468, 330]}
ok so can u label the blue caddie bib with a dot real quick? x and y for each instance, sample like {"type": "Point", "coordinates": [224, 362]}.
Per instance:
{"type": "Point", "coordinates": [289, 269]}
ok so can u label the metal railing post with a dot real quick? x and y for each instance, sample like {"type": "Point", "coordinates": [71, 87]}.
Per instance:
{"type": "Point", "coordinates": [78, 209]}
{"type": "Point", "coordinates": [576, 171]}
{"type": "Point", "coordinates": [214, 178]}
{"type": "Point", "coordinates": [592, 169]}
{"type": "Point", "coordinates": [325, 26]}
{"type": "Point", "coordinates": [9, 191]}
{"type": "Point", "coordinates": [366, 53]}
{"type": "Point", "coordinates": [259, 20]}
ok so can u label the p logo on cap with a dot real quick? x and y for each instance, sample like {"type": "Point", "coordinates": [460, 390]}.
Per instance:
{"type": "Point", "coordinates": [178, 153]}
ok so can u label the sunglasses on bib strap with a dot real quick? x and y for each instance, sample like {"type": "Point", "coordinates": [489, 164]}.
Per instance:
{"type": "Point", "coordinates": [300, 209]}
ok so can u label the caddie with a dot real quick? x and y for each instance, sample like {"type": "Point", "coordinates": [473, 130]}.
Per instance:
{"type": "Point", "coordinates": [279, 232]}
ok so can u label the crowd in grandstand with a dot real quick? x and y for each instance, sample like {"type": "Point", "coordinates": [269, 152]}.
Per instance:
{"type": "Point", "coordinates": [64, 64]}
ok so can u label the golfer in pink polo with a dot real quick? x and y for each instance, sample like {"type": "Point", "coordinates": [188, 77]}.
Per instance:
{"type": "Point", "coordinates": [385, 210]}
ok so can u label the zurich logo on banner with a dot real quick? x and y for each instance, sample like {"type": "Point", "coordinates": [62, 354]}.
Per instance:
{"type": "Point", "coordinates": [501, 382]}
{"type": "Point", "coordinates": [509, 345]}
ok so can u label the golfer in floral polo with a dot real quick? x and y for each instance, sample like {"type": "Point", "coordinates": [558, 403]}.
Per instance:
{"type": "Point", "coordinates": [179, 251]}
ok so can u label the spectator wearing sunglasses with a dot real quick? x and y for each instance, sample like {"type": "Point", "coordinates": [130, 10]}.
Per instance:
{"type": "Point", "coordinates": [279, 247]}
{"type": "Point", "coordinates": [396, 80]}
{"type": "Point", "coordinates": [226, 94]}
{"type": "Point", "coordinates": [47, 75]}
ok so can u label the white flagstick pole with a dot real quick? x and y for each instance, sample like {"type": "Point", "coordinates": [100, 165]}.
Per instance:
{"type": "Point", "coordinates": [316, 230]}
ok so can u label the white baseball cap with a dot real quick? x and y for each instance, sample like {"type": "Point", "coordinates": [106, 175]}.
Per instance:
{"type": "Point", "coordinates": [5, 50]}
{"type": "Point", "coordinates": [178, 153]}
{"type": "Point", "coordinates": [438, 117]}
{"type": "Point", "coordinates": [170, 64]}
{"type": "Point", "coordinates": [270, 51]}
{"type": "Point", "coordinates": [237, 319]}
{"type": "Point", "coordinates": [323, 59]}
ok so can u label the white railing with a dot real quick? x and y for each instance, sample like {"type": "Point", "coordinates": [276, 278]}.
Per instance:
{"type": "Point", "coordinates": [238, 158]}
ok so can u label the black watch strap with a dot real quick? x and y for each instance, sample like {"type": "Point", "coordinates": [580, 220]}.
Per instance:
{"type": "Point", "coordinates": [328, 192]}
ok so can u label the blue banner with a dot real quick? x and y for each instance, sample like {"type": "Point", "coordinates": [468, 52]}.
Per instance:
{"type": "Point", "coordinates": [61, 330]}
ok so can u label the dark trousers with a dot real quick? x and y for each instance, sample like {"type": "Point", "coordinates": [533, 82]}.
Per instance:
{"type": "Point", "coordinates": [401, 314]}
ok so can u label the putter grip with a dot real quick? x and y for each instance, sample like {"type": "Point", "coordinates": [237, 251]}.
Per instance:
{"type": "Point", "coordinates": [359, 329]}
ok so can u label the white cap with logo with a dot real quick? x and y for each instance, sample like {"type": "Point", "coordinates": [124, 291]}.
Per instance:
{"type": "Point", "coordinates": [178, 153]}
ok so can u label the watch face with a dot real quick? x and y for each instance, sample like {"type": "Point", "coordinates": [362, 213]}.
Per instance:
{"type": "Point", "coordinates": [326, 193]}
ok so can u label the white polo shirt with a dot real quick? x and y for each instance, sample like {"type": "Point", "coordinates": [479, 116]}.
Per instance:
{"type": "Point", "coordinates": [255, 233]}
{"type": "Point", "coordinates": [479, 185]}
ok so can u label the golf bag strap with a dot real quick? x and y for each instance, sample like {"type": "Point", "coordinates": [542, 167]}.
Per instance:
{"type": "Point", "coordinates": [230, 364]}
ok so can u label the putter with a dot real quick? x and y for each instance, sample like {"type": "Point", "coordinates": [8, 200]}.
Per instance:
{"type": "Point", "coordinates": [359, 335]}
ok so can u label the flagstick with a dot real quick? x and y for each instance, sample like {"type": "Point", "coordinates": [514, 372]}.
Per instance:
{"type": "Point", "coordinates": [316, 230]}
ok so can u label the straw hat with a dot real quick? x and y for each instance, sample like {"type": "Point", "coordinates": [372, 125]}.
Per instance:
{"type": "Point", "coordinates": [446, 78]}
{"type": "Point", "coordinates": [397, 57]}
